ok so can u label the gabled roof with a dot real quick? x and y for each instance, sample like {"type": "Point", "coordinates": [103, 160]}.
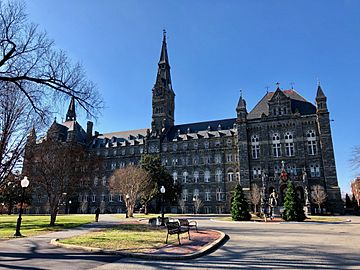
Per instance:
{"type": "Point", "coordinates": [298, 103]}
{"type": "Point", "coordinates": [127, 135]}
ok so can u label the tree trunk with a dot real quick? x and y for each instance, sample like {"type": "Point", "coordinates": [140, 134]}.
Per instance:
{"type": "Point", "coordinates": [53, 217]}
{"type": "Point", "coordinates": [9, 210]}
{"type": "Point", "coordinates": [320, 210]}
{"type": "Point", "coordinates": [146, 209]}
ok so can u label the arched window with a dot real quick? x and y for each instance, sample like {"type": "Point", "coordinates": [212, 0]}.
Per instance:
{"type": "Point", "coordinates": [230, 175]}
{"type": "Point", "coordinates": [175, 177]}
{"type": "Point", "coordinates": [289, 144]}
{"type": "Point", "coordinates": [185, 194]}
{"type": "Point", "coordinates": [207, 176]}
{"type": "Point", "coordinates": [255, 146]}
{"type": "Point", "coordinates": [276, 145]}
{"type": "Point", "coordinates": [218, 175]}
{"type": "Point", "coordinates": [315, 170]}
{"type": "Point", "coordinates": [256, 172]}
{"type": "Point", "coordinates": [196, 176]}
{"type": "Point", "coordinates": [196, 193]}
{"type": "Point", "coordinates": [185, 176]}
{"type": "Point", "coordinates": [311, 142]}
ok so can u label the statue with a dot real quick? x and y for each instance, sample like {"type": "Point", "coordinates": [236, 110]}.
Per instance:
{"type": "Point", "coordinates": [272, 203]}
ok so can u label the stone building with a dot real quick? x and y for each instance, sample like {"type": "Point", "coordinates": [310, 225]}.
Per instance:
{"type": "Point", "coordinates": [355, 189]}
{"type": "Point", "coordinates": [283, 135]}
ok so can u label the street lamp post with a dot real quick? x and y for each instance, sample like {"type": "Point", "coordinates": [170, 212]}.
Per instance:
{"type": "Point", "coordinates": [24, 185]}
{"type": "Point", "coordinates": [127, 205]}
{"type": "Point", "coordinates": [69, 207]}
{"type": "Point", "coordinates": [162, 190]}
{"type": "Point", "coordinates": [194, 200]}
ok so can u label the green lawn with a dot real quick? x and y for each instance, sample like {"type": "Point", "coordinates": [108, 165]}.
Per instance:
{"type": "Point", "coordinates": [310, 218]}
{"type": "Point", "coordinates": [35, 225]}
{"type": "Point", "coordinates": [124, 237]}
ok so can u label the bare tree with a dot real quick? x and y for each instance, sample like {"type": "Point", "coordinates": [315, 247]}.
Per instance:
{"type": "Point", "coordinates": [182, 205]}
{"type": "Point", "coordinates": [31, 64]}
{"type": "Point", "coordinates": [58, 169]}
{"type": "Point", "coordinates": [255, 196]}
{"type": "Point", "coordinates": [355, 160]}
{"type": "Point", "coordinates": [131, 182]}
{"type": "Point", "coordinates": [198, 203]}
{"type": "Point", "coordinates": [318, 195]}
{"type": "Point", "coordinates": [16, 120]}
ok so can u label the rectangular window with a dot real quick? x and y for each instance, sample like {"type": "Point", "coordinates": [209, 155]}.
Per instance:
{"type": "Point", "coordinates": [276, 149]}
{"type": "Point", "coordinates": [312, 148]}
{"type": "Point", "coordinates": [120, 198]}
{"type": "Point", "coordinates": [289, 147]}
{"type": "Point", "coordinates": [255, 149]}
{"type": "Point", "coordinates": [110, 197]}
{"type": "Point", "coordinates": [230, 176]}
{"type": "Point", "coordinates": [93, 198]}
{"type": "Point", "coordinates": [207, 196]}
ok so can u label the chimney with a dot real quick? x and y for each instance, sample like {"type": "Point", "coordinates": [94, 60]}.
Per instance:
{"type": "Point", "coordinates": [89, 130]}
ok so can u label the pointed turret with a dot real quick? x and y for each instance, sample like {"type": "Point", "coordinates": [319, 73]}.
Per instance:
{"type": "Point", "coordinates": [163, 77]}
{"type": "Point", "coordinates": [241, 109]}
{"type": "Point", "coordinates": [321, 99]}
{"type": "Point", "coordinates": [31, 139]}
{"type": "Point", "coordinates": [71, 114]}
{"type": "Point", "coordinates": [163, 96]}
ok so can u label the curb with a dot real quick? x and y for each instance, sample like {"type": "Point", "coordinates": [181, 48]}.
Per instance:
{"type": "Point", "coordinates": [205, 250]}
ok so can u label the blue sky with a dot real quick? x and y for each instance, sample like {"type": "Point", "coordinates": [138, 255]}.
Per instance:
{"type": "Point", "coordinates": [215, 48]}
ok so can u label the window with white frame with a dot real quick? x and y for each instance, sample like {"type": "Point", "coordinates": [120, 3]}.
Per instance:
{"type": "Point", "coordinates": [175, 177]}
{"type": "Point", "coordinates": [196, 176]}
{"type": "Point", "coordinates": [86, 197]}
{"type": "Point", "coordinates": [185, 176]}
{"type": "Point", "coordinates": [207, 195]}
{"type": "Point", "coordinates": [120, 198]}
{"type": "Point", "coordinates": [255, 147]}
{"type": "Point", "coordinates": [219, 194]}
{"type": "Point", "coordinates": [113, 165]}
{"type": "Point", "coordinates": [207, 176]}
{"type": "Point", "coordinates": [174, 161]}
{"type": "Point", "coordinates": [291, 169]}
{"type": "Point", "coordinates": [311, 142]}
{"type": "Point", "coordinates": [206, 144]}
{"type": "Point", "coordinates": [276, 145]}
{"type": "Point", "coordinates": [237, 176]}
{"type": "Point", "coordinates": [104, 181]}
{"type": "Point", "coordinates": [256, 172]}
{"type": "Point", "coordinates": [111, 196]}
{"type": "Point", "coordinates": [229, 157]}
{"type": "Point", "coordinates": [196, 193]}
{"type": "Point", "coordinates": [102, 197]}
{"type": "Point", "coordinates": [93, 198]}
{"type": "Point", "coordinates": [277, 169]}
{"type": "Point", "coordinates": [289, 144]}
{"type": "Point", "coordinates": [196, 160]}
{"type": "Point", "coordinates": [218, 175]}
{"type": "Point", "coordinates": [218, 159]}
{"type": "Point", "coordinates": [315, 170]}
{"type": "Point", "coordinates": [185, 194]}
{"type": "Point", "coordinates": [230, 176]}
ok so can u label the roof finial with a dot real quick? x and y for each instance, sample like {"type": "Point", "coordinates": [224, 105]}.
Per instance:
{"type": "Point", "coordinates": [318, 81]}
{"type": "Point", "coordinates": [292, 85]}
{"type": "Point", "coordinates": [277, 85]}
{"type": "Point", "coordinates": [241, 93]}
{"type": "Point", "coordinates": [164, 34]}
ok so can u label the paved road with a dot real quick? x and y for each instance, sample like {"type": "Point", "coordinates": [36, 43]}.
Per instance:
{"type": "Point", "coordinates": [250, 245]}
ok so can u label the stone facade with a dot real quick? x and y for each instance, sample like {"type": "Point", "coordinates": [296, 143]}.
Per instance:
{"type": "Point", "coordinates": [282, 133]}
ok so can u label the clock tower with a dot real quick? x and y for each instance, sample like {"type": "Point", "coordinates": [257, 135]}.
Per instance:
{"type": "Point", "coordinates": [163, 96]}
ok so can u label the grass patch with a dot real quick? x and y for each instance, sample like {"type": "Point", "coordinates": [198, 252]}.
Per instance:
{"type": "Point", "coordinates": [35, 225]}
{"type": "Point", "coordinates": [324, 219]}
{"type": "Point", "coordinates": [124, 237]}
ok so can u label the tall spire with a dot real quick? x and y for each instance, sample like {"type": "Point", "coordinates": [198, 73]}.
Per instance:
{"type": "Point", "coordinates": [321, 100]}
{"type": "Point", "coordinates": [71, 114]}
{"type": "Point", "coordinates": [163, 77]}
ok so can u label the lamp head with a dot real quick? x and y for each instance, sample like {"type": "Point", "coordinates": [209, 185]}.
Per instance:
{"type": "Point", "coordinates": [127, 196]}
{"type": "Point", "coordinates": [25, 182]}
{"type": "Point", "coordinates": [162, 189]}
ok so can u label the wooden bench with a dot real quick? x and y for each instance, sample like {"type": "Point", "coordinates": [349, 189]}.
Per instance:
{"type": "Point", "coordinates": [186, 223]}
{"type": "Point", "coordinates": [174, 227]}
